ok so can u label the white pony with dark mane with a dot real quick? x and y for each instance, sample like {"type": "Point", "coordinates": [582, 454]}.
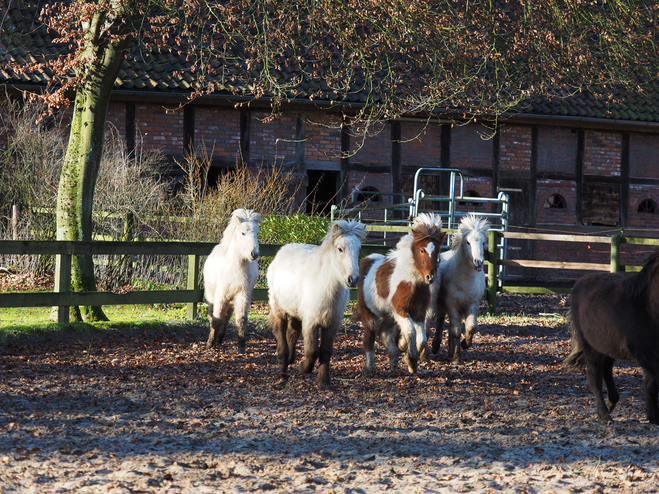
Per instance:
{"type": "Point", "coordinates": [308, 287]}
{"type": "Point", "coordinates": [230, 273]}
{"type": "Point", "coordinates": [461, 285]}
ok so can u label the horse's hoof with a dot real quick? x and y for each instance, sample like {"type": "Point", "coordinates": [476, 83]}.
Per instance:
{"type": "Point", "coordinates": [368, 371]}
{"type": "Point", "coordinates": [241, 350]}
{"type": "Point", "coordinates": [464, 345]}
{"type": "Point", "coordinates": [323, 386]}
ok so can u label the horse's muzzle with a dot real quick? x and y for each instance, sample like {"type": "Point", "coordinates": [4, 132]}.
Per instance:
{"type": "Point", "coordinates": [353, 280]}
{"type": "Point", "coordinates": [255, 255]}
{"type": "Point", "coordinates": [430, 279]}
{"type": "Point", "coordinates": [478, 265]}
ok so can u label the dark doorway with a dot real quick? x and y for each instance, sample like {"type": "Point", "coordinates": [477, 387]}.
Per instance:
{"type": "Point", "coordinates": [321, 191]}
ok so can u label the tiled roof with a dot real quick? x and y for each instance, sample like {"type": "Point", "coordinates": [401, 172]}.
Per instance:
{"type": "Point", "coordinates": [23, 40]}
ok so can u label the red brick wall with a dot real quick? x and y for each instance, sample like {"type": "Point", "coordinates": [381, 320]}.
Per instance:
{"type": "Point", "coordinates": [116, 121]}
{"type": "Point", "coordinates": [420, 144]}
{"type": "Point", "coordinates": [557, 150]}
{"type": "Point", "coordinates": [322, 135]}
{"type": "Point", "coordinates": [272, 141]}
{"type": "Point", "coordinates": [371, 146]}
{"type": "Point", "coordinates": [643, 156]}
{"type": "Point", "coordinates": [381, 181]}
{"type": "Point", "coordinates": [642, 221]}
{"type": "Point", "coordinates": [549, 216]}
{"type": "Point", "coordinates": [159, 129]}
{"type": "Point", "coordinates": [602, 153]}
{"type": "Point", "coordinates": [217, 130]}
{"type": "Point", "coordinates": [515, 148]}
{"type": "Point", "coordinates": [470, 147]}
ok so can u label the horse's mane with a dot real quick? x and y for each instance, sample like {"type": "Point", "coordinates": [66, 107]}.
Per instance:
{"type": "Point", "coordinates": [637, 284]}
{"type": "Point", "coordinates": [344, 227]}
{"type": "Point", "coordinates": [237, 217]}
{"type": "Point", "coordinates": [427, 226]}
{"type": "Point", "coordinates": [469, 223]}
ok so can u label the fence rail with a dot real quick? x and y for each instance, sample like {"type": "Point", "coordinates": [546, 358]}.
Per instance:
{"type": "Point", "coordinates": [63, 298]}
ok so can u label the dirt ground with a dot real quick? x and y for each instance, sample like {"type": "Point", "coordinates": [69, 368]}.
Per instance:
{"type": "Point", "coordinates": [157, 412]}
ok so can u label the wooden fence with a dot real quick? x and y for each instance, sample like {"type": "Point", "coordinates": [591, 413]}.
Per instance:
{"type": "Point", "coordinates": [62, 297]}
{"type": "Point", "coordinates": [613, 266]}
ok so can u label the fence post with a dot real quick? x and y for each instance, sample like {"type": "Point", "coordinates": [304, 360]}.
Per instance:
{"type": "Point", "coordinates": [63, 284]}
{"type": "Point", "coordinates": [492, 267]}
{"type": "Point", "coordinates": [193, 284]}
{"type": "Point", "coordinates": [615, 253]}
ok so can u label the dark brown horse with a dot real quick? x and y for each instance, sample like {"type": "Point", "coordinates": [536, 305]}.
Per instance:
{"type": "Point", "coordinates": [616, 317]}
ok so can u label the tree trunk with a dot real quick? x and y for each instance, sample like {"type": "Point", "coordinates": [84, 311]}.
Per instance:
{"type": "Point", "coordinates": [98, 70]}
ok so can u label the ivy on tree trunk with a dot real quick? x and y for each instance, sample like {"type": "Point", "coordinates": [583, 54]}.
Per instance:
{"type": "Point", "coordinates": [99, 67]}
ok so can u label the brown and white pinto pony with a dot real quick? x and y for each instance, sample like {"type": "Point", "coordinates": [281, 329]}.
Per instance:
{"type": "Point", "coordinates": [308, 287]}
{"type": "Point", "coordinates": [394, 293]}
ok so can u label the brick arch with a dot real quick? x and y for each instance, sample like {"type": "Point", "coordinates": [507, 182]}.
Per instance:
{"type": "Point", "coordinates": [641, 198]}
{"type": "Point", "coordinates": [555, 191]}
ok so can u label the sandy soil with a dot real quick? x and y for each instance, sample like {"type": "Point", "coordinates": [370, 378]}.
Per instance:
{"type": "Point", "coordinates": [157, 412]}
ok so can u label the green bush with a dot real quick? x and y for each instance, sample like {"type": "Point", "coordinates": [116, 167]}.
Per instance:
{"type": "Point", "coordinates": [294, 228]}
{"type": "Point", "coordinates": [297, 228]}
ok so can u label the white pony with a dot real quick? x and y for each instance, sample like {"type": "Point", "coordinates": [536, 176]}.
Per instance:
{"type": "Point", "coordinates": [393, 295]}
{"type": "Point", "coordinates": [230, 273]}
{"type": "Point", "coordinates": [308, 291]}
{"type": "Point", "coordinates": [460, 285]}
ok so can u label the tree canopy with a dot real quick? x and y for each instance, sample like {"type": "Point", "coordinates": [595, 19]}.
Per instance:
{"type": "Point", "coordinates": [387, 56]}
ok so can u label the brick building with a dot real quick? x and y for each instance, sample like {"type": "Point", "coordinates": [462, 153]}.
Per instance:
{"type": "Point", "coordinates": [584, 163]}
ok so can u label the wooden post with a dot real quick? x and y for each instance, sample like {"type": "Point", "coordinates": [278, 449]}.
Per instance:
{"type": "Point", "coordinates": [492, 268]}
{"type": "Point", "coordinates": [15, 219]}
{"type": "Point", "coordinates": [193, 284]}
{"type": "Point", "coordinates": [63, 284]}
{"type": "Point", "coordinates": [615, 253]}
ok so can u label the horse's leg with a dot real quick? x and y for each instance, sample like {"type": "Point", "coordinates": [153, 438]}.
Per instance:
{"type": "Point", "coordinates": [454, 332]}
{"type": "Point", "coordinates": [612, 395]}
{"type": "Point", "coordinates": [219, 318]}
{"type": "Point", "coordinates": [651, 388]}
{"type": "Point", "coordinates": [594, 372]}
{"type": "Point", "coordinates": [421, 340]}
{"type": "Point", "coordinates": [437, 339]}
{"type": "Point", "coordinates": [408, 342]}
{"type": "Point", "coordinates": [324, 355]}
{"type": "Point", "coordinates": [241, 305]}
{"type": "Point", "coordinates": [389, 335]}
{"type": "Point", "coordinates": [292, 335]}
{"type": "Point", "coordinates": [369, 323]}
{"type": "Point", "coordinates": [471, 327]}
{"type": "Point", "coordinates": [278, 321]}
{"type": "Point", "coordinates": [310, 335]}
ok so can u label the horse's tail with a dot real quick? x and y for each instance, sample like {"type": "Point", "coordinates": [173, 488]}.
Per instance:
{"type": "Point", "coordinates": [575, 359]}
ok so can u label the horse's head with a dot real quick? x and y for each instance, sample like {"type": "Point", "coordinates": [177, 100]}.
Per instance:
{"type": "Point", "coordinates": [472, 237]}
{"type": "Point", "coordinates": [345, 239]}
{"type": "Point", "coordinates": [245, 233]}
{"type": "Point", "coordinates": [427, 239]}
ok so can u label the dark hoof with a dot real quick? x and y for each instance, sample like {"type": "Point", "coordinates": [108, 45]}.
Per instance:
{"type": "Point", "coordinates": [281, 382]}
{"type": "Point", "coordinates": [464, 345]}
{"type": "Point", "coordinates": [241, 350]}
{"type": "Point", "coordinates": [305, 368]}
{"type": "Point", "coordinates": [323, 386]}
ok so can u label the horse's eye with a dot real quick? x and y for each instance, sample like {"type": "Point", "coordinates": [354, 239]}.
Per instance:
{"type": "Point", "coordinates": [341, 250]}
{"type": "Point", "coordinates": [423, 251]}
{"type": "Point", "coordinates": [243, 233]}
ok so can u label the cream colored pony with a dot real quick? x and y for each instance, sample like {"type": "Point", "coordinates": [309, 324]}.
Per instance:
{"type": "Point", "coordinates": [308, 287]}
{"type": "Point", "coordinates": [230, 273]}
{"type": "Point", "coordinates": [460, 285]}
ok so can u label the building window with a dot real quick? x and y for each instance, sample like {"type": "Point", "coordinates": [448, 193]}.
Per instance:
{"type": "Point", "coordinates": [555, 201]}
{"type": "Point", "coordinates": [368, 194]}
{"type": "Point", "coordinates": [470, 204]}
{"type": "Point", "coordinates": [647, 206]}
